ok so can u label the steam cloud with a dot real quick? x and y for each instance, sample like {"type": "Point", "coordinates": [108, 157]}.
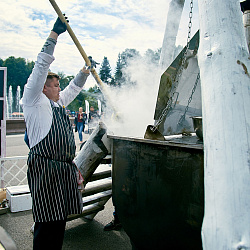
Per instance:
{"type": "Point", "coordinates": [135, 103]}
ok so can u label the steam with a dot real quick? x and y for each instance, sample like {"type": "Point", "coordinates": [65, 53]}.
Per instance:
{"type": "Point", "coordinates": [135, 103]}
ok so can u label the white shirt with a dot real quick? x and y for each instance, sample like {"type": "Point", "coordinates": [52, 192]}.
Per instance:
{"type": "Point", "coordinates": [36, 106]}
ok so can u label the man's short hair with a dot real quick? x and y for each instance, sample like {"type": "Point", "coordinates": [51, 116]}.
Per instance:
{"type": "Point", "coordinates": [50, 76]}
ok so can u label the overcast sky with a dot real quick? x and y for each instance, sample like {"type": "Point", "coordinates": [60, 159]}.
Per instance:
{"type": "Point", "coordinates": [103, 27]}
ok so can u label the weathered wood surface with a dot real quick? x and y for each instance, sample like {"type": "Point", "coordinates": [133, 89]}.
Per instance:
{"type": "Point", "coordinates": [246, 20]}
{"type": "Point", "coordinates": [100, 175]}
{"type": "Point", "coordinates": [88, 210]}
{"type": "Point", "coordinates": [96, 198]}
{"type": "Point", "coordinates": [171, 30]}
{"type": "Point", "coordinates": [225, 67]}
{"type": "Point", "coordinates": [92, 153]}
{"type": "Point", "coordinates": [97, 189]}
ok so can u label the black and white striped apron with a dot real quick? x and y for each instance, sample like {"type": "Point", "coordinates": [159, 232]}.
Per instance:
{"type": "Point", "coordinates": [51, 173]}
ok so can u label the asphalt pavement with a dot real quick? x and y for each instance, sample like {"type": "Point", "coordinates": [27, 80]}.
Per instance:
{"type": "Point", "coordinates": [80, 233]}
{"type": "Point", "coordinates": [15, 145]}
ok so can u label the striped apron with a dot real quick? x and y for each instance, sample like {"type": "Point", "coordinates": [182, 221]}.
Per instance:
{"type": "Point", "coordinates": [52, 175]}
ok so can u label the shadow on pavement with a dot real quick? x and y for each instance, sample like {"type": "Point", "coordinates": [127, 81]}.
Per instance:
{"type": "Point", "coordinates": [90, 235]}
{"type": "Point", "coordinates": [79, 234]}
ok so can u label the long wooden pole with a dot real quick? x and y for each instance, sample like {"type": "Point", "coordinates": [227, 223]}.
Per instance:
{"type": "Point", "coordinates": [224, 69]}
{"type": "Point", "coordinates": [246, 21]}
{"type": "Point", "coordinates": [171, 30]}
{"type": "Point", "coordinates": [82, 52]}
{"type": "Point", "coordinates": [71, 33]}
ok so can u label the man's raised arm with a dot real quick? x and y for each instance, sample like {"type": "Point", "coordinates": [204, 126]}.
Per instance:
{"type": "Point", "coordinates": [34, 87]}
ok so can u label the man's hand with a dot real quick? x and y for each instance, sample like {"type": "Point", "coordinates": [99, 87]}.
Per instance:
{"type": "Point", "coordinates": [59, 26]}
{"type": "Point", "coordinates": [93, 63]}
{"type": "Point", "coordinates": [86, 71]}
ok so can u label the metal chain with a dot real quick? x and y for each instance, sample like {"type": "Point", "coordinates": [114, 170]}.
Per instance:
{"type": "Point", "coordinates": [179, 73]}
{"type": "Point", "coordinates": [189, 100]}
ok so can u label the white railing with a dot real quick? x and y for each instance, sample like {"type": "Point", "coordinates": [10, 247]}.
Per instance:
{"type": "Point", "coordinates": [13, 171]}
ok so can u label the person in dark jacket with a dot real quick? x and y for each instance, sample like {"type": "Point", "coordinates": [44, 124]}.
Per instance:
{"type": "Point", "coordinates": [81, 119]}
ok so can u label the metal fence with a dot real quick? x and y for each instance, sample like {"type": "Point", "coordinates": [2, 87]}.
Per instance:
{"type": "Point", "coordinates": [13, 171]}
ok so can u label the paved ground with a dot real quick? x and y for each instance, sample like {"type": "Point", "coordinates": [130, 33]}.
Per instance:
{"type": "Point", "coordinates": [80, 233]}
{"type": "Point", "coordinates": [15, 145]}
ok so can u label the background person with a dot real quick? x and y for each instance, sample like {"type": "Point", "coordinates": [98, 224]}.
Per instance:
{"type": "Point", "coordinates": [52, 176]}
{"type": "Point", "coordinates": [81, 118]}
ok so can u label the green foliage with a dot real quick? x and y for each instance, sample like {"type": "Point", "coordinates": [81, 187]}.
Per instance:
{"type": "Point", "coordinates": [94, 93]}
{"type": "Point", "coordinates": [78, 102]}
{"type": "Point", "coordinates": [91, 95]}
{"type": "Point", "coordinates": [95, 90]}
{"type": "Point", "coordinates": [18, 71]}
{"type": "Point", "coordinates": [113, 82]}
{"type": "Point", "coordinates": [122, 62]}
{"type": "Point", "coordinates": [128, 55]}
{"type": "Point", "coordinates": [118, 79]}
{"type": "Point", "coordinates": [65, 80]}
{"type": "Point", "coordinates": [152, 56]}
{"type": "Point", "coordinates": [105, 71]}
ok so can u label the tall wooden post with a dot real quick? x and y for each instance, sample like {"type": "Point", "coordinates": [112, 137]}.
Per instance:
{"type": "Point", "coordinates": [245, 8]}
{"type": "Point", "coordinates": [225, 78]}
{"type": "Point", "coordinates": [171, 30]}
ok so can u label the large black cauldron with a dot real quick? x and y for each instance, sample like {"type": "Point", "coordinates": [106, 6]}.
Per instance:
{"type": "Point", "coordinates": [158, 191]}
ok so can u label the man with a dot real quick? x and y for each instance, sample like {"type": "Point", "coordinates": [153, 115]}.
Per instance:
{"type": "Point", "coordinates": [52, 176]}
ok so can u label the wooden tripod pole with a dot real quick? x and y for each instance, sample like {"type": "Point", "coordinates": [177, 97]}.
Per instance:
{"type": "Point", "coordinates": [224, 67]}
{"type": "Point", "coordinates": [82, 52]}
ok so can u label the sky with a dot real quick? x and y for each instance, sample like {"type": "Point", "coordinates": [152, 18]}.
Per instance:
{"type": "Point", "coordinates": [104, 28]}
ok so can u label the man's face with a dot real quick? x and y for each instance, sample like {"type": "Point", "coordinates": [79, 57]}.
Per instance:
{"type": "Point", "coordinates": [52, 89]}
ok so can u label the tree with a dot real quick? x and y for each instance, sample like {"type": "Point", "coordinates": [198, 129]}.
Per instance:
{"type": "Point", "coordinates": [18, 71]}
{"type": "Point", "coordinates": [113, 83]}
{"type": "Point", "coordinates": [79, 101]}
{"type": "Point", "coordinates": [30, 66]}
{"type": "Point", "coordinates": [105, 71]}
{"type": "Point", "coordinates": [127, 55]}
{"type": "Point", "coordinates": [91, 95]}
{"type": "Point", "coordinates": [65, 80]}
{"type": "Point", "coordinates": [124, 59]}
{"type": "Point", "coordinates": [95, 90]}
{"type": "Point", "coordinates": [94, 93]}
{"type": "Point", "coordinates": [118, 80]}
{"type": "Point", "coordinates": [152, 57]}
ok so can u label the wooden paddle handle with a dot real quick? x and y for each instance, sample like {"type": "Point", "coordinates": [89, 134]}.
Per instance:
{"type": "Point", "coordinates": [71, 33]}
{"type": "Point", "coordinates": [82, 52]}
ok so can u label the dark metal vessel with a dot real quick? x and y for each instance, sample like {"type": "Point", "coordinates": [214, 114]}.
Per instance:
{"type": "Point", "coordinates": [158, 191]}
